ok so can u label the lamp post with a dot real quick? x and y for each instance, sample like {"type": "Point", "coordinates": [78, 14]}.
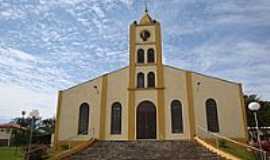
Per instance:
{"type": "Point", "coordinates": [34, 114]}
{"type": "Point", "coordinates": [255, 107]}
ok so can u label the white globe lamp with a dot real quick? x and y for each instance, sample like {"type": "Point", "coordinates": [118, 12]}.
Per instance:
{"type": "Point", "coordinates": [254, 106]}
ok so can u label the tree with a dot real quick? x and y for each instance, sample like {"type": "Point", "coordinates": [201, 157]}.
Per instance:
{"type": "Point", "coordinates": [42, 130]}
{"type": "Point", "coordinates": [47, 125]}
{"type": "Point", "coordinates": [20, 137]}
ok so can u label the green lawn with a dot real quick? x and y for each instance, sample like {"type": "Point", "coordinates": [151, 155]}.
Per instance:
{"type": "Point", "coordinates": [238, 151]}
{"type": "Point", "coordinates": [9, 153]}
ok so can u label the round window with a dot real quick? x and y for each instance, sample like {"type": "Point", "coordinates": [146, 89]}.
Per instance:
{"type": "Point", "coordinates": [145, 35]}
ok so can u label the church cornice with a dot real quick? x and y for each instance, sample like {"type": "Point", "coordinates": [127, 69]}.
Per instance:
{"type": "Point", "coordinates": [146, 43]}
{"type": "Point", "coordinates": [146, 89]}
{"type": "Point", "coordinates": [145, 64]}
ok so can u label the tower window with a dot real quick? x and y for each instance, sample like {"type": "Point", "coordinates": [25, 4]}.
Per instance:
{"type": "Point", "coordinates": [140, 80]}
{"type": "Point", "coordinates": [151, 80]}
{"type": "Point", "coordinates": [116, 118]}
{"type": "Point", "coordinates": [140, 56]}
{"type": "Point", "coordinates": [176, 117]}
{"type": "Point", "coordinates": [212, 115]}
{"type": "Point", "coordinates": [83, 119]}
{"type": "Point", "coordinates": [150, 55]}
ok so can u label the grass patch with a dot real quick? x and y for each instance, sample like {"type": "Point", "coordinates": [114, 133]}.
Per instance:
{"type": "Point", "coordinates": [10, 153]}
{"type": "Point", "coordinates": [237, 151]}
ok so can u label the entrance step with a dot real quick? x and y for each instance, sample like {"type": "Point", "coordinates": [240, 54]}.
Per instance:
{"type": "Point", "coordinates": [145, 150]}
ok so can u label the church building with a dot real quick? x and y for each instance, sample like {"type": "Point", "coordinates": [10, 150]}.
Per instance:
{"type": "Point", "coordinates": [149, 100]}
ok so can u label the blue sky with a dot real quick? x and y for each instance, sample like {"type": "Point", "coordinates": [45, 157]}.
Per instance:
{"type": "Point", "coordinates": [49, 45]}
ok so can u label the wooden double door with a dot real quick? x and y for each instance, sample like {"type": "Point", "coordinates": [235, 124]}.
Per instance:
{"type": "Point", "coordinates": [146, 120]}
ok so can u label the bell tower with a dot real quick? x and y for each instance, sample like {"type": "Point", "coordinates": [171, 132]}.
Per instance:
{"type": "Point", "coordinates": [145, 51]}
{"type": "Point", "coordinates": [145, 42]}
{"type": "Point", "coordinates": [145, 67]}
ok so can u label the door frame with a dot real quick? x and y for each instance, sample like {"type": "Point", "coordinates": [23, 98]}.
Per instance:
{"type": "Point", "coordinates": [137, 119]}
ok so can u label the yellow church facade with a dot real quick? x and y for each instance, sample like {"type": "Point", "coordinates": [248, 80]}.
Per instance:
{"type": "Point", "coordinates": [149, 100]}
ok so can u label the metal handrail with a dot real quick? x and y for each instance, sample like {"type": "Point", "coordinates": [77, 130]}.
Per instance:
{"type": "Point", "coordinates": [229, 139]}
{"type": "Point", "coordinates": [233, 141]}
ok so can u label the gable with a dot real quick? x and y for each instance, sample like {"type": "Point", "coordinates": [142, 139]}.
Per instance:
{"type": "Point", "coordinates": [94, 80]}
{"type": "Point", "coordinates": [201, 75]}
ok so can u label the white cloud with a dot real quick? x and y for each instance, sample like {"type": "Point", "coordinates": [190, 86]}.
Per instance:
{"type": "Point", "coordinates": [18, 54]}
{"type": "Point", "coordinates": [241, 61]}
{"type": "Point", "coordinates": [240, 12]}
{"type": "Point", "coordinates": [31, 71]}
{"type": "Point", "coordinates": [15, 99]}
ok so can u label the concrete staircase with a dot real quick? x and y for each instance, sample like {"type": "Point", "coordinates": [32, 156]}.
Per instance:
{"type": "Point", "coordinates": [144, 150]}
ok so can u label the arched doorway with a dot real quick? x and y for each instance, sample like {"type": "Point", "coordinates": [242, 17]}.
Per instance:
{"type": "Point", "coordinates": [146, 120]}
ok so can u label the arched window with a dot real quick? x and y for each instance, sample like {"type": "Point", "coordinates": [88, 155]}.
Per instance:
{"type": "Point", "coordinates": [212, 115]}
{"type": "Point", "coordinates": [116, 118]}
{"type": "Point", "coordinates": [150, 55]}
{"type": "Point", "coordinates": [140, 56]}
{"type": "Point", "coordinates": [140, 80]}
{"type": "Point", "coordinates": [176, 115]}
{"type": "Point", "coordinates": [83, 119]}
{"type": "Point", "coordinates": [151, 79]}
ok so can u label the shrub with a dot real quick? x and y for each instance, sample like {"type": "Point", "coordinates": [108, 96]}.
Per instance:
{"type": "Point", "coordinates": [222, 143]}
{"type": "Point", "coordinates": [65, 147]}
